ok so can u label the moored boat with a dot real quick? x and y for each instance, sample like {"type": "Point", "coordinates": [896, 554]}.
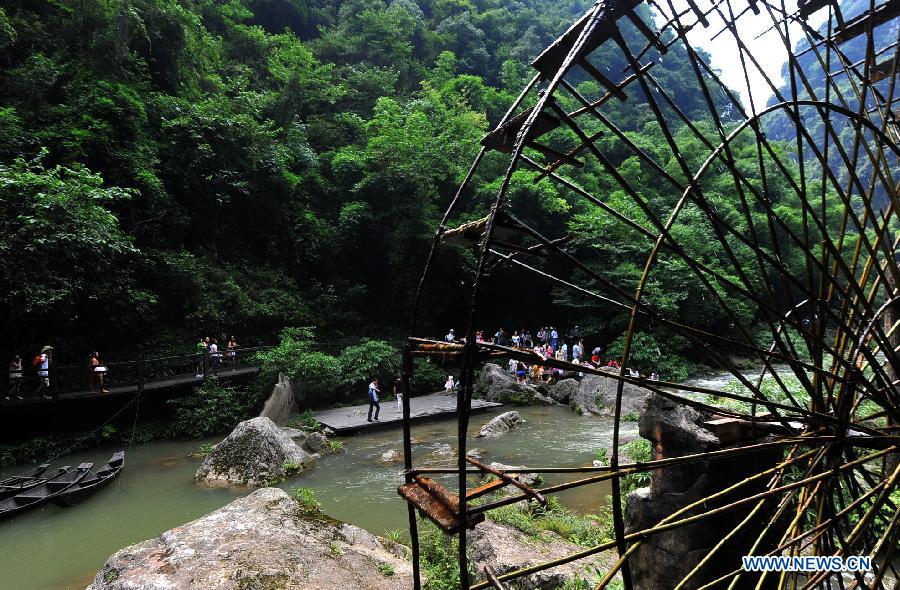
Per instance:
{"type": "Point", "coordinates": [39, 494]}
{"type": "Point", "coordinates": [19, 483]}
{"type": "Point", "coordinates": [92, 482]}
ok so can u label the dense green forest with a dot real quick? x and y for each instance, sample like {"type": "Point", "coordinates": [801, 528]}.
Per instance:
{"type": "Point", "coordinates": [170, 168]}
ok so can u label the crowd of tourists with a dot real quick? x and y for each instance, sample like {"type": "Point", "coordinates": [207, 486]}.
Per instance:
{"type": "Point", "coordinates": [547, 343]}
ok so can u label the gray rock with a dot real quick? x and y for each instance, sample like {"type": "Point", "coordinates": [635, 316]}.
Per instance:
{"type": "Point", "coordinates": [476, 453]}
{"type": "Point", "coordinates": [316, 443]}
{"type": "Point", "coordinates": [562, 391]}
{"type": "Point", "coordinates": [497, 385]}
{"type": "Point", "coordinates": [264, 540]}
{"type": "Point", "coordinates": [500, 425]}
{"type": "Point", "coordinates": [390, 456]}
{"type": "Point", "coordinates": [529, 479]}
{"type": "Point", "coordinates": [675, 430]}
{"type": "Point", "coordinates": [596, 395]}
{"type": "Point", "coordinates": [254, 454]}
{"type": "Point", "coordinates": [443, 451]}
{"type": "Point", "coordinates": [505, 549]}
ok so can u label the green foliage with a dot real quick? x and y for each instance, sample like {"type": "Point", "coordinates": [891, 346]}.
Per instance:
{"type": "Point", "coordinates": [532, 519]}
{"type": "Point", "coordinates": [639, 450]}
{"type": "Point", "coordinates": [386, 569]}
{"type": "Point", "coordinates": [439, 558]}
{"type": "Point", "coordinates": [212, 408]}
{"type": "Point", "coordinates": [335, 446]}
{"type": "Point", "coordinates": [648, 354]}
{"type": "Point", "coordinates": [306, 499]}
{"type": "Point", "coordinates": [427, 376]}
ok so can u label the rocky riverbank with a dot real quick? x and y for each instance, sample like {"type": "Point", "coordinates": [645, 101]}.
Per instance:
{"type": "Point", "coordinates": [588, 395]}
{"type": "Point", "coordinates": [264, 541]}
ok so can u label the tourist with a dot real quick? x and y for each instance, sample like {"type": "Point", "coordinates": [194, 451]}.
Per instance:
{"type": "Point", "coordinates": [634, 373]}
{"type": "Point", "coordinates": [97, 373]}
{"type": "Point", "coordinates": [479, 336]}
{"type": "Point", "coordinates": [554, 338]}
{"type": "Point", "coordinates": [516, 339]}
{"type": "Point", "coordinates": [15, 378]}
{"type": "Point", "coordinates": [500, 337]}
{"type": "Point", "coordinates": [215, 359]}
{"type": "Point", "coordinates": [450, 385]}
{"type": "Point", "coordinates": [200, 349]}
{"type": "Point", "coordinates": [398, 393]}
{"type": "Point", "coordinates": [451, 336]}
{"type": "Point", "coordinates": [42, 362]}
{"type": "Point", "coordinates": [576, 352]}
{"type": "Point", "coordinates": [613, 364]}
{"type": "Point", "coordinates": [511, 366]}
{"type": "Point", "coordinates": [373, 399]}
{"type": "Point", "coordinates": [232, 347]}
{"type": "Point", "coordinates": [521, 372]}
{"type": "Point", "coordinates": [654, 376]}
{"type": "Point", "coordinates": [564, 349]}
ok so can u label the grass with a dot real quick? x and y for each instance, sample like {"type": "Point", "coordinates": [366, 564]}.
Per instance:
{"type": "Point", "coordinates": [335, 549]}
{"type": "Point", "coordinates": [336, 446]}
{"type": "Point", "coordinates": [394, 535]}
{"type": "Point", "coordinates": [386, 569]}
{"type": "Point", "coordinates": [533, 519]}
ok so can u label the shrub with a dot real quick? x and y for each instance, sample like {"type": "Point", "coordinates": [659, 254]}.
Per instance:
{"type": "Point", "coordinates": [306, 498]}
{"type": "Point", "coordinates": [210, 409]}
{"type": "Point", "coordinates": [317, 373]}
{"type": "Point", "coordinates": [662, 353]}
{"type": "Point", "coordinates": [427, 376]}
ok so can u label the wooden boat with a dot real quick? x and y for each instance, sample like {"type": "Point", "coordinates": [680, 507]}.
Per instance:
{"type": "Point", "coordinates": [88, 486]}
{"type": "Point", "coordinates": [19, 483]}
{"type": "Point", "coordinates": [46, 491]}
{"type": "Point", "coordinates": [33, 474]}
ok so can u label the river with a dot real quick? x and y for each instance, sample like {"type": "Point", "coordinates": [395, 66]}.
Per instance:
{"type": "Point", "coordinates": [55, 548]}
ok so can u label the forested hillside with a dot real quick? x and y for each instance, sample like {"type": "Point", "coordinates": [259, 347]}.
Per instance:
{"type": "Point", "coordinates": [178, 166]}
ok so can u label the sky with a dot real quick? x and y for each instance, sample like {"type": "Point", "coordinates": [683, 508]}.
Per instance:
{"type": "Point", "coordinates": [768, 49]}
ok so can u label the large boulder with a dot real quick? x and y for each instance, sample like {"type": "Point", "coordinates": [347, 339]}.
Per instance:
{"type": "Point", "coordinates": [562, 391]}
{"type": "Point", "coordinates": [675, 430]}
{"type": "Point", "coordinates": [264, 541]}
{"type": "Point", "coordinates": [506, 549]}
{"type": "Point", "coordinates": [596, 395]}
{"type": "Point", "coordinates": [500, 425]}
{"type": "Point", "coordinates": [256, 453]}
{"type": "Point", "coordinates": [498, 385]}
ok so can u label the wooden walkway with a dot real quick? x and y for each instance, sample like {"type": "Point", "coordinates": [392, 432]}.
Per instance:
{"type": "Point", "coordinates": [350, 419]}
{"type": "Point", "coordinates": [128, 390]}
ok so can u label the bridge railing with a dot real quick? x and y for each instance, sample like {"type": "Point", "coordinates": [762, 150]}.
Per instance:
{"type": "Point", "coordinates": [137, 373]}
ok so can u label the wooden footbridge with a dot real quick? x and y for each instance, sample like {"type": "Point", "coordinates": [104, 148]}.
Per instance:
{"type": "Point", "coordinates": [127, 378]}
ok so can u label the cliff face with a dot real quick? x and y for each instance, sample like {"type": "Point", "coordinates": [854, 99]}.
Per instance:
{"type": "Point", "coordinates": [264, 541]}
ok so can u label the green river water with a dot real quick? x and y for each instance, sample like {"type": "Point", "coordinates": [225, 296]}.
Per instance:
{"type": "Point", "coordinates": [52, 548]}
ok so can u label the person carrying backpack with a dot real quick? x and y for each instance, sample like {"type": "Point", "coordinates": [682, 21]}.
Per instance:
{"type": "Point", "coordinates": [373, 399]}
{"type": "Point", "coordinates": [42, 363]}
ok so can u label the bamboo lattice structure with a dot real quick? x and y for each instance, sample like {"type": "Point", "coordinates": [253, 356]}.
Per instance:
{"type": "Point", "coordinates": [824, 289]}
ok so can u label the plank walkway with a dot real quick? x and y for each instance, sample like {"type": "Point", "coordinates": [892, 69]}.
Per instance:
{"type": "Point", "coordinates": [128, 390]}
{"type": "Point", "coordinates": [350, 419]}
